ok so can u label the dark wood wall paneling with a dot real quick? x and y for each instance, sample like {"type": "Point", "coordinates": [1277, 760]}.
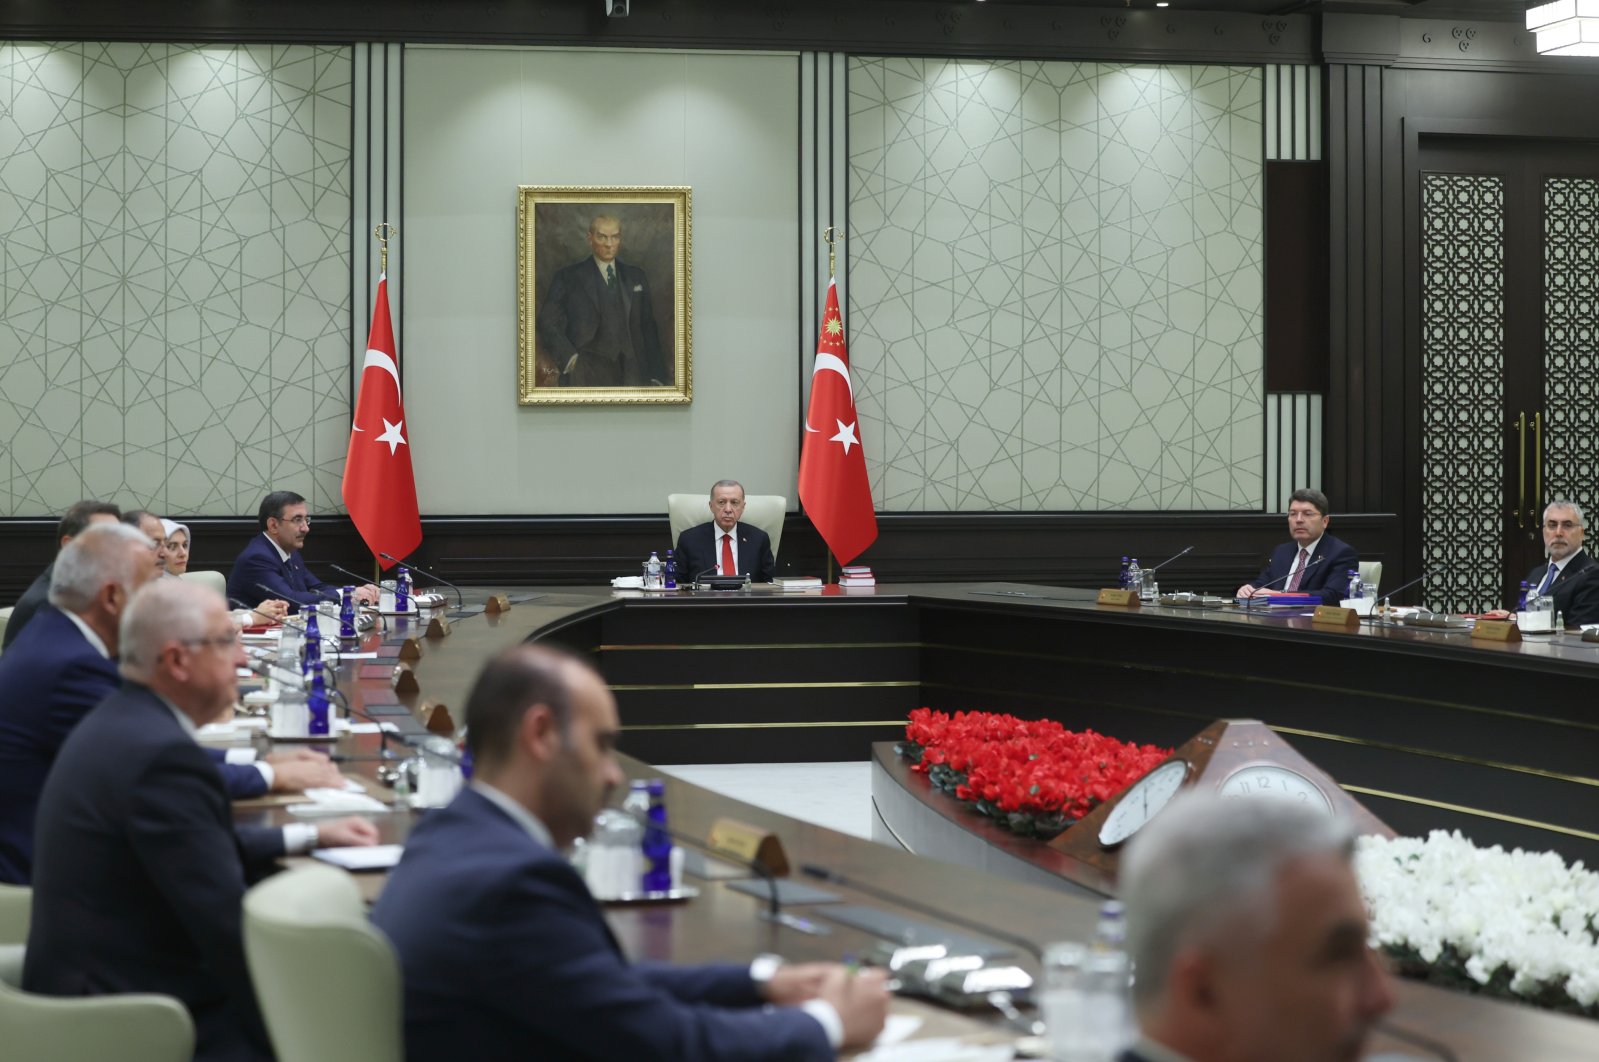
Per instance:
{"type": "Point", "coordinates": [1296, 282]}
{"type": "Point", "coordinates": [1056, 549]}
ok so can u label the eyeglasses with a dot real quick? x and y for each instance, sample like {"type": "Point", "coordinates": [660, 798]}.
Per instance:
{"type": "Point", "coordinates": [221, 641]}
{"type": "Point", "coordinates": [298, 521]}
{"type": "Point", "coordinates": [1561, 525]}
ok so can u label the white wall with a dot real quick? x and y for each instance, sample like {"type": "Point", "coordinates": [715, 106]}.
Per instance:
{"type": "Point", "coordinates": [480, 122]}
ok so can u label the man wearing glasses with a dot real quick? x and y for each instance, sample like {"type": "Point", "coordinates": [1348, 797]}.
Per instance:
{"type": "Point", "coordinates": [1569, 573]}
{"type": "Point", "coordinates": [271, 567]}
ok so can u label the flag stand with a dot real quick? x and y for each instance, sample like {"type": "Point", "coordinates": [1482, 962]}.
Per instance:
{"type": "Point", "coordinates": [382, 232]}
{"type": "Point", "coordinates": [830, 236]}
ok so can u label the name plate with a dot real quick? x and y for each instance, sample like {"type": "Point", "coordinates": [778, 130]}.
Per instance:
{"type": "Point", "coordinates": [404, 680]}
{"type": "Point", "coordinates": [436, 717]}
{"type": "Point", "coordinates": [1119, 598]}
{"type": "Point", "coordinates": [411, 649]}
{"type": "Point", "coordinates": [496, 604]}
{"type": "Point", "coordinates": [1495, 631]}
{"type": "Point", "coordinates": [1333, 616]}
{"type": "Point", "coordinates": [438, 627]}
{"type": "Point", "coordinates": [750, 843]}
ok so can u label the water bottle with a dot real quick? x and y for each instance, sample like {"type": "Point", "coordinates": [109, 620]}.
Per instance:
{"type": "Point", "coordinates": [1107, 985]}
{"type": "Point", "coordinates": [317, 704]}
{"type": "Point", "coordinates": [1121, 578]}
{"type": "Point", "coordinates": [637, 806]}
{"type": "Point", "coordinates": [671, 571]}
{"type": "Point", "coordinates": [347, 612]}
{"type": "Point", "coordinates": [1521, 602]}
{"type": "Point", "coordinates": [652, 572]}
{"type": "Point", "coordinates": [311, 655]}
{"type": "Point", "coordinates": [1063, 1002]}
{"type": "Point", "coordinates": [402, 589]}
{"type": "Point", "coordinates": [1354, 585]}
{"type": "Point", "coordinates": [657, 842]}
{"type": "Point", "coordinates": [1135, 578]}
{"type": "Point", "coordinates": [613, 855]}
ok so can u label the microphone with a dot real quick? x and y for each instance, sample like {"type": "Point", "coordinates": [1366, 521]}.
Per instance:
{"type": "Point", "coordinates": [277, 592]}
{"type": "Point", "coordinates": [1317, 559]}
{"type": "Point", "coordinates": [460, 601]}
{"type": "Point", "coordinates": [833, 877]}
{"type": "Point", "coordinates": [1386, 598]}
{"type": "Point", "coordinates": [1175, 556]}
{"type": "Point", "coordinates": [774, 909]}
{"type": "Point", "coordinates": [236, 603]}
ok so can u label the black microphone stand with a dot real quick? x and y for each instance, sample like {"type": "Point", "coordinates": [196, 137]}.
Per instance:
{"type": "Point", "coordinates": [460, 600]}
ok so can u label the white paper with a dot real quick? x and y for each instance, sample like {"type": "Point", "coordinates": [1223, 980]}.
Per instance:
{"type": "Point", "coordinates": [373, 728]}
{"type": "Point", "coordinates": [371, 857]}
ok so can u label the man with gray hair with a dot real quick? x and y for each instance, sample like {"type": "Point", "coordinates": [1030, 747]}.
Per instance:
{"type": "Point", "coordinates": [139, 874]}
{"type": "Point", "coordinates": [724, 546]}
{"type": "Point", "coordinates": [1249, 935]}
{"type": "Point", "coordinates": [73, 521]}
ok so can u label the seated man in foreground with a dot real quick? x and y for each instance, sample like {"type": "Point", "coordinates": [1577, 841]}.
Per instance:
{"type": "Point", "coordinates": [1314, 562]}
{"type": "Point", "coordinates": [73, 521]}
{"type": "Point", "coordinates": [723, 546]}
{"type": "Point", "coordinates": [139, 874]}
{"type": "Point", "coordinates": [505, 954]}
{"type": "Point", "coordinates": [1249, 935]}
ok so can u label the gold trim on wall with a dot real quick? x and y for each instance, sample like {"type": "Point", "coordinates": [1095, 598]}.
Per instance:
{"type": "Point", "coordinates": [539, 377]}
{"type": "Point", "coordinates": [1478, 812]}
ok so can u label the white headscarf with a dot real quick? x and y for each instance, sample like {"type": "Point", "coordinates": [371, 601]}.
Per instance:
{"type": "Point", "coordinates": [169, 526]}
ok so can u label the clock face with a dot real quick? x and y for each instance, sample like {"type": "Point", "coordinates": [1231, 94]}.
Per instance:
{"type": "Point", "coordinates": [1269, 781]}
{"type": "Point", "coordinates": [1141, 801]}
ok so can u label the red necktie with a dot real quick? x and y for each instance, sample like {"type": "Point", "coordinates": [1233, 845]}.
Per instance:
{"type": "Point", "coordinates": [728, 567]}
{"type": "Point", "coordinates": [1299, 572]}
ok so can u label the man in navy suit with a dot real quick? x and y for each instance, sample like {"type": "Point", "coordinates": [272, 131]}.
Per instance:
{"type": "Point", "coordinates": [1576, 594]}
{"type": "Point", "coordinates": [710, 546]}
{"type": "Point", "coordinates": [597, 323]}
{"type": "Point", "coordinates": [1314, 562]}
{"type": "Point", "coordinates": [139, 873]}
{"type": "Point", "coordinates": [504, 953]}
{"type": "Point", "coordinates": [1249, 934]}
{"type": "Point", "coordinates": [270, 566]}
{"type": "Point", "coordinates": [72, 524]}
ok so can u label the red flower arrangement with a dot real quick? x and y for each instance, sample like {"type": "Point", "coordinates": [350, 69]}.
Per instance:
{"type": "Point", "coordinates": [1032, 776]}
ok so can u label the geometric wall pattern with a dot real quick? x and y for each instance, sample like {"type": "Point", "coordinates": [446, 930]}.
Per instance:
{"type": "Point", "coordinates": [174, 275]}
{"type": "Point", "coordinates": [1571, 338]}
{"type": "Point", "coordinates": [1462, 388]}
{"type": "Point", "coordinates": [1055, 277]}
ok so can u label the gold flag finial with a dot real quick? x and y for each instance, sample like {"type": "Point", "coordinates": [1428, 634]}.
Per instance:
{"type": "Point", "coordinates": [383, 232]}
{"type": "Point", "coordinates": [830, 236]}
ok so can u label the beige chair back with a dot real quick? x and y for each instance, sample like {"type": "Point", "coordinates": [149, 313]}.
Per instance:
{"type": "Point", "coordinates": [765, 511]}
{"type": "Point", "coordinates": [130, 1028]}
{"type": "Point", "coordinates": [1371, 572]}
{"type": "Point", "coordinates": [327, 980]}
{"type": "Point", "coordinates": [16, 906]}
{"type": "Point", "coordinates": [215, 580]}
{"type": "Point", "coordinates": [5, 618]}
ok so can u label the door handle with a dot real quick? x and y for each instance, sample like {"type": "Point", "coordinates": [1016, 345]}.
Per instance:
{"type": "Point", "coordinates": [1537, 466]}
{"type": "Point", "coordinates": [1521, 470]}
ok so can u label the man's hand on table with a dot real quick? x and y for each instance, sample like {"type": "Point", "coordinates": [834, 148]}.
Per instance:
{"type": "Point", "coordinates": [342, 833]}
{"type": "Point", "coordinates": [861, 1000]}
{"type": "Point", "coordinates": [299, 769]}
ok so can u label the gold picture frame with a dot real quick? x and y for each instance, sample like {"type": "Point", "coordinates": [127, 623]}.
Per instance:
{"type": "Point", "coordinates": [603, 295]}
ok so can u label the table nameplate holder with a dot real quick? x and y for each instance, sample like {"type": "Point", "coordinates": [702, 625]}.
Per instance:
{"type": "Point", "coordinates": [1117, 597]}
{"type": "Point", "coordinates": [1495, 631]}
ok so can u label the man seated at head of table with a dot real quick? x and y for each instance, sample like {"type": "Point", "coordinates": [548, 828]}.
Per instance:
{"type": "Point", "coordinates": [1569, 574]}
{"type": "Point", "coordinates": [1249, 934]}
{"type": "Point", "coordinates": [1314, 562]}
{"type": "Point", "coordinates": [139, 872]}
{"type": "Point", "coordinates": [505, 954]}
{"type": "Point", "coordinates": [73, 521]}
{"type": "Point", "coordinates": [180, 541]}
{"type": "Point", "coordinates": [723, 545]}
{"type": "Point", "coordinates": [63, 666]}
{"type": "Point", "coordinates": [270, 566]}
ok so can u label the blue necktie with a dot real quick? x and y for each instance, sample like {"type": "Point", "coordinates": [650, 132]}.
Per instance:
{"type": "Point", "coordinates": [1548, 577]}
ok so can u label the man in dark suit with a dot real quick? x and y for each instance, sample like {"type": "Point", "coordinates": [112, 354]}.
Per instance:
{"type": "Point", "coordinates": [505, 954]}
{"type": "Point", "coordinates": [1249, 934]}
{"type": "Point", "coordinates": [72, 523]}
{"type": "Point", "coordinates": [138, 872]}
{"type": "Point", "coordinates": [597, 323]}
{"type": "Point", "coordinates": [62, 667]}
{"type": "Point", "coordinates": [1576, 594]}
{"type": "Point", "coordinates": [1314, 562]}
{"type": "Point", "coordinates": [726, 545]}
{"type": "Point", "coordinates": [270, 566]}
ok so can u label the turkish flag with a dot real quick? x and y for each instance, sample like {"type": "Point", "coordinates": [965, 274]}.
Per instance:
{"type": "Point", "coordinates": [832, 474]}
{"type": "Point", "coordinates": [379, 488]}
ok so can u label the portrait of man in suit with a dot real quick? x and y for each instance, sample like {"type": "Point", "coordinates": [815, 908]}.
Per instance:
{"type": "Point", "coordinates": [604, 295]}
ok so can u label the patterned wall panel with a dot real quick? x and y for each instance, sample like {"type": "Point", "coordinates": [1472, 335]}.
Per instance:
{"type": "Point", "coordinates": [174, 270]}
{"type": "Point", "coordinates": [1463, 334]}
{"type": "Point", "coordinates": [1055, 284]}
{"type": "Point", "coordinates": [1571, 338]}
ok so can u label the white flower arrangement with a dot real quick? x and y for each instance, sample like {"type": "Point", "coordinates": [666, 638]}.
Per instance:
{"type": "Point", "coordinates": [1521, 924]}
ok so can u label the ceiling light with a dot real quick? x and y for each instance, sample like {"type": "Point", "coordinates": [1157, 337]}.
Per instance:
{"type": "Point", "coordinates": [1566, 27]}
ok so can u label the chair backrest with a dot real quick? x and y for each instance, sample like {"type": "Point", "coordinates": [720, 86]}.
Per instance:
{"type": "Point", "coordinates": [5, 618]}
{"type": "Point", "coordinates": [130, 1028]}
{"type": "Point", "coordinates": [327, 980]}
{"type": "Point", "coordinates": [1371, 572]}
{"type": "Point", "coordinates": [215, 580]}
{"type": "Point", "coordinates": [765, 511]}
{"type": "Point", "coordinates": [16, 905]}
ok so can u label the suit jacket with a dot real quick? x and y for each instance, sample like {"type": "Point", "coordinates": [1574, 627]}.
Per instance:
{"type": "Point", "coordinates": [1577, 600]}
{"type": "Point", "coordinates": [505, 955]}
{"type": "Point", "coordinates": [697, 550]}
{"type": "Point", "coordinates": [258, 564]}
{"type": "Point", "coordinates": [612, 332]}
{"type": "Point", "coordinates": [36, 595]}
{"type": "Point", "coordinates": [1328, 574]}
{"type": "Point", "coordinates": [139, 876]}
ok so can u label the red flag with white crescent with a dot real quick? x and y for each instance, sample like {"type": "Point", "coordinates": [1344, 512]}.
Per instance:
{"type": "Point", "coordinates": [379, 487]}
{"type": "Point", "coordinates": [833, 485]}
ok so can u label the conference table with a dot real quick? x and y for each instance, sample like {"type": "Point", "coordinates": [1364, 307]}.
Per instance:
{"type": "Point", "coordinates": [766, 676]}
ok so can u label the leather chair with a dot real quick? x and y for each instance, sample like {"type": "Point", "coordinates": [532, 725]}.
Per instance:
{"type": "Point", "coordinates": [215, 580]}
{"type": "Point", "coordinates": [16, 904]}
{"type": "Point", "coordinates": [327, 980]}
{"type": "Point", "coordinates": [5, 618]}
{"type": "Point", "coordinates": [1371, 572]}
{"type": "Point", "coordinates": [128, 1028]}
{"type": "Point", "coordinates": [765, 511]}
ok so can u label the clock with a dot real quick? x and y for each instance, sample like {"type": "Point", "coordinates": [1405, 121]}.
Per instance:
{"type": "Point", "coordinates": [1272, 781]}
{"type": "Point", "coordinates": [1142, 800]}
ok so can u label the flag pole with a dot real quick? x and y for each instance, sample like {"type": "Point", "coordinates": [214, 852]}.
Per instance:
{"type": "Point", "coordinates": [830, 235]}
{"type": "Point", "coordinates": [382, 232]}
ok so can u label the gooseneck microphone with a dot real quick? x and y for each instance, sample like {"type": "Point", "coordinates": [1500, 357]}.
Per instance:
{"type": "Point", "coordinates": [1427, 575]}
{"type": "Point", "coordinates": [460, 600]}
{"type": "Point", "coordinates": [277, 592]}
{"type": "Point", "coordinates": [1249, 602]}
{"type": "Point", "coordinates": [834, 877]}
{"type": "Point", "coordinates": [1173, 557]}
